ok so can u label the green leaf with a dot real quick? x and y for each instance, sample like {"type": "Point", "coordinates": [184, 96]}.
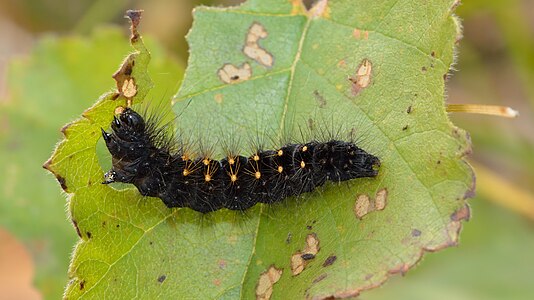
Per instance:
{"type": "Point", "coordinates": [271, 66]}
{"type": "Point", "coordinates": [60, 78]}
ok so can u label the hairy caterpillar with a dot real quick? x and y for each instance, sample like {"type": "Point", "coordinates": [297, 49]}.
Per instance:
{"type": "Point", "coordinates": [142, 154]}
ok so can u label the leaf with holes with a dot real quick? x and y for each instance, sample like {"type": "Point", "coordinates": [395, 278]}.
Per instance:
{"type": "Point", "coordinates": [274, 66]}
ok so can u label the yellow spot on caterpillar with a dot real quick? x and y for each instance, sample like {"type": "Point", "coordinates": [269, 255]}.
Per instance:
{"type": "Point", "coordinates": [256, 157]}
{"type": "Point", "coordinates": [305, 148]}
{"type": "Point", "coordinates": [207, 177]}
{"type": "Point", "coordinates": [233, 178]}
{"type": "Point", "coordinates": [185, 157]}
{"type": "Point", "coordinates": [257, 175]}
{"type": "Point", "coordinates": [186, 172]}
{"type": "Point", "coordinates": [280, 169]}
{"type": "Point", "coordinates": [302, 164]}
{"type": "Point", "coordinates": [231, 160]}
{"type": "Point", "coordinates": [280, 152]}
{"type": "Point", "coordinates": [206, 161]}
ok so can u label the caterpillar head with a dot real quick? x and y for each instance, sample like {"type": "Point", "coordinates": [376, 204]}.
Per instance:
{"type": "Point", "coordinates": [128, 123]}
{"type": "Point", "coordinates": [127, 143]}
{"type": "Point", "coordinates": [128, 138]}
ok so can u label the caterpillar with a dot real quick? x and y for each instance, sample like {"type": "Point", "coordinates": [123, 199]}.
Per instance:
{"type": "Point", "coordinates": [145, 156]}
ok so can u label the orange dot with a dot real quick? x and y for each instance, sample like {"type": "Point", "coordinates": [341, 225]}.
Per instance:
{"type": "Point", "coordinates": [280, 152]}
{"type": "Point", "coordinates": [280, 169]}
{"type": "Point", "coordinates": [207, 177]}
{"type": "Point", "coordinates": [231, 160]}
{"type": "Point", "coordinates": [256, 157]}
{"type": "Point", "coordinates": [302, 164]}
{"type": "Point", "coordinates": [206, 161]}
{"type": "Point", "coordinates": [233, 178]}
{"type": "Point", "coordinates": [186, 172]}
{"type": "Point", "coordinates": [305, 148]}
{"type": "Point", "coordinates": [257, 175]}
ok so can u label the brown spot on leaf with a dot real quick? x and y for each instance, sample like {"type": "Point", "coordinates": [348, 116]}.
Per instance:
{"type": "Point", "coordinates": [252, 48]}
{"type": "Point", "coordinates": [162, 278]}
{"type": "Point", "coordinates": [402, 269]}
{"type": "Point", "coordinates": [135, 19]}
{"type": "Point", "coordinates": [82, 284]}
{"type": "Point", "coordinates": [319, 9]}
{"type": "Point", "coordinates": [319, 278]}
{"type": "Point", "coordinates": [416, 233]}
{"type": "Point", "coordinates": [89, 234]}
{"type": "Point", "coordinates": [62, 182]}
{"type": "Point", "coordinates": [123, 77]}
{"type": "Point", "coordinates": [358, 34]}
{"type": "Point", "coordinates": [329, 260]}
{"type": "Point", "coordinates": [312, 244]}
{"type": "Point", "coordinates": [362, 78]}
{"type": "Point", "coordinates": [232, 74]}
{"type": "Point", "coordinates": [297, 263]}
{"type": "Point", "coordinates": [423, 69]}
{"type": "Point", "coordinates": [307, 256]}
{"type": "Point", "coordinates": [218, 98]}
{"type": "Point", "coordinates": [222, 264]}
{"type": "Point", "coordinates": [311, 125]}
{"type": "Point", "coordinates": [461, 214]}
{"type": "Point", "coordinates": [119, 110]}
{"type": "Point", "coordinates": [129, 88]}
{"type": "Point", "coordinates": [362, 206]}
{"type": "Point", "coordinates": [297, 6]}
{"type": "Point", "coordinates": [405, 128]}
{"type": "Point", "coordinates": [264, 288]}
{"type": "Point", "coordinates": [300, 259]}
{"type": "Point", "coordinates": [409, 109]}
{"type": "Point", "coordinates": [381, 199]}
{"type": "Point", "coordinates": [320, 99]}
{"type": "Point", "coordinates": [75, 223]}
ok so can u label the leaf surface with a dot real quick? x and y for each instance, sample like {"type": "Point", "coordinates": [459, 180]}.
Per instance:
{"type": "Point", "coordinates": [377, 68]}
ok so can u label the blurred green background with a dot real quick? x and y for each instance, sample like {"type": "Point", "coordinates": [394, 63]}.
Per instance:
{"type": "Point", "coordinates": [57, 57]}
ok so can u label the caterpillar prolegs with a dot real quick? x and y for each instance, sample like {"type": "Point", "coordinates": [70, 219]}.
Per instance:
{"type": "Point", "coordinates": [145, 157]}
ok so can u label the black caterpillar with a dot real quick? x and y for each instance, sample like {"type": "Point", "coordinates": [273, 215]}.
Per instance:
{"type": "Point", "coordinates": [144, 156]}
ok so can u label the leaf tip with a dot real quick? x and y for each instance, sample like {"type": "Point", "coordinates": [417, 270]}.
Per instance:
{"type": "Point", "coordinates": [135, 18]}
